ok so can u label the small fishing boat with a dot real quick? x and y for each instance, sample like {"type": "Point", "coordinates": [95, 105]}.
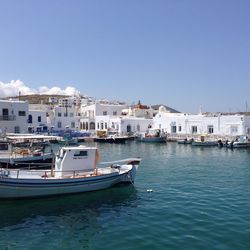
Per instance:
{"type": "Point", "coordinates": [152, 135]}
{"type": "Point", "coordinates": [75, 170]}
{"type": "Point", "coordinates": [241, 142]}
{"type": "Point", "coordinates": [185, 141]}
{"type": "Point", "coordinates": [10, 154]}
{"type": "Point", "coordinates": [203, 141]}
{"type": "Point", "coordinates": [112, 139]}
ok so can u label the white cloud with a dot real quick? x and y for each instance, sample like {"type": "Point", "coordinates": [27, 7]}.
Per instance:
{"type": "Point", "coordinates": [15, 86]}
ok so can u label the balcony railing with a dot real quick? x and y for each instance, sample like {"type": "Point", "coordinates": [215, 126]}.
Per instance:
{"type": "Point", "coordinates": [7, 117]}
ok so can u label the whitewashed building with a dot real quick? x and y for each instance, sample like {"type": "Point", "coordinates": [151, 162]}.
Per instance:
{"type": "Point", "coordinates": [123, 125]}
{"type": "Point", "coordinates": [211, 124]}
{"type": "Point", "coordinates": [37, 118]}
{"type": "Point", "coordinates": [89, 115]}
{"type": "Point", "coordinates": [13, 116]}
{"type": "Point", "coordinates": [63, 118]}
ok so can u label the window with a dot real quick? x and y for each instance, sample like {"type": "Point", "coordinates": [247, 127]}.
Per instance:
{"type": "Point", "coordinates": [71, 114]}
{"type": "Point", "coordinates": [72, 124]}
{"type": "Point", "coordinates": [59, 114]}
{"type": "Point", "coordinates": [39, 119]}
{"type": "Point", "coordinates": [105, 113]}
{"type": "Point", "coordinates": [194, 130]}
{"type": "Point", "coordinates": [106, 125]}
{"type": "Point", "coordinates": [179, 128]}
{"type": "Point", "coordinates": [173, 129]}
{"type": "Point", "coordinates": [59, 124]}
{"type": "Point", "coordinates": [234, 129]}
{"type": "Point", "coordinates": [102, 126]}
{"type": "Point", "coordinates": [17, 129]}
{"type": "Point", "coordinates": [114, 112]}
{"type": "Point", "coordinates": [30, 119]}
{"type": "Point", "coordinates": [4, 146]}
{"type": "Point", "coordinates": [248, 131]}
{"type": "Point", "coordinates": [81, 153]}
{"type": "Point", "coordinates": [210, 129]}
{"type": "Point", "coordinates": [21, 113]}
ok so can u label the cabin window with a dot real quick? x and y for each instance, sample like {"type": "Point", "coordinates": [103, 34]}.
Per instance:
{"type": "Point", "coordinates": [210, 129]}
{"type": "Point", "coordinates": [3, 146]}
{"type": "Point", "coordinates": [194, 129]}
{"type": "Point", "coordinates": [81, 153]}
{"type": "Point", "coordinates": [21, 113]}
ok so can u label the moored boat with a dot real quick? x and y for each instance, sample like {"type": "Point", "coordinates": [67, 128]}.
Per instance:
{"type": "Point", "coordinates": [75, 171]}
{"type": "Point", "coordinates": [152, 135]}
{"type": "Point", "coordinates": [10, 155]}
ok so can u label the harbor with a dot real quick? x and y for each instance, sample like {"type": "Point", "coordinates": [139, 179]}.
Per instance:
{"type": "Point", "coordinates": [185, 193]}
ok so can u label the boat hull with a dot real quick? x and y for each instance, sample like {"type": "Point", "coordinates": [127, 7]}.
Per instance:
{"type": "Point", "coordinates": [152, 139]}
{"type": "Point", "coordinates": [205, 144]}
{"type": "Point", "coordinates": [24, 162]}
{"type": "Point", "coordinates": [15, 188]}
{"type": "Point", "coordinates": [111, 140]}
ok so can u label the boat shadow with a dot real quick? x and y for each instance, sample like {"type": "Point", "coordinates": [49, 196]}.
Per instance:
{"type": "Point", "coordinates": [90, 204]}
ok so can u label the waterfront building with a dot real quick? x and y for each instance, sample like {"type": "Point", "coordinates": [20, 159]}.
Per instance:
{"type": "Point", "coordinates": [64, 118]}
{"type": "Point", "coordinates": [196, 124]}
{"type": "Point", "coordinates": [37, 118]}
{"type": "Point", "coordinates": [90, 113]}
{"type": "Point", "coordinates": [13, 116]}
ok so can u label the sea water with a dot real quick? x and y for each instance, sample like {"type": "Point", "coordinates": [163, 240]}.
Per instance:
{"type": "Point", "coordinates": [184, 197]}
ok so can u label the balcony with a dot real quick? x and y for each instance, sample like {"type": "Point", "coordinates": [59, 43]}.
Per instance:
{"type": "Point", "coordinates": [7, 117]}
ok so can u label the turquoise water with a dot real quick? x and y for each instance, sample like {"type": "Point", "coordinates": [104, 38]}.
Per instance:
{"type": "Point", "coordinates": [199, 200]}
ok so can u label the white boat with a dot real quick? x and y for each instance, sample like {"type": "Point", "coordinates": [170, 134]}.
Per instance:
{"type": "Point", "coordinates": [185, 141]}
{"type": "Point", "coordinates": [241, 142]}
{"type": "Point", "coordinates": [203, 141]}
{"type": "Point", "coordinates": [75, 171]}
{"type": "Point", "coordinates": [153, 135]}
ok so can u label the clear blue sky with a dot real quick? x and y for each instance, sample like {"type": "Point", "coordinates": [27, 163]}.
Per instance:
{"type": "Point", "coordinates": [183, 53]}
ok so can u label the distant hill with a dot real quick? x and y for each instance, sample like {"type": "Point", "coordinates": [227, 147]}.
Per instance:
{"type": "Point", "coordinates": [171, 110]}
{"type": "Point", "coordinates": [35, 99]}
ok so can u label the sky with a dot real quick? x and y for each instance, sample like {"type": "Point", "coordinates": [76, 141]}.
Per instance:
{"type": "Point", "coordinates": [185, 54]}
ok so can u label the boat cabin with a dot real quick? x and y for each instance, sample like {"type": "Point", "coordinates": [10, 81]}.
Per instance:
{"type": "Point", "coordinates": [75, 159]}
{"type": "Point", "coordinates": [5, 147]}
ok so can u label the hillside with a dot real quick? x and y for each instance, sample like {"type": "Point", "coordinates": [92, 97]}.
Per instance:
{"type": "Point", "coordinates": [35, 99]}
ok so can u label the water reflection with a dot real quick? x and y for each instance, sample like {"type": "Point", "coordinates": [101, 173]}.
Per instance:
{"type": "Point", "coordinates": [87, 205]}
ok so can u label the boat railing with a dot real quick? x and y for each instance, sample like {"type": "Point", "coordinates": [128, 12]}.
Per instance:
{"type": "Point", "coordinates": [123, 161]}
{"type": "Point", "coordinates": [50, 173]}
